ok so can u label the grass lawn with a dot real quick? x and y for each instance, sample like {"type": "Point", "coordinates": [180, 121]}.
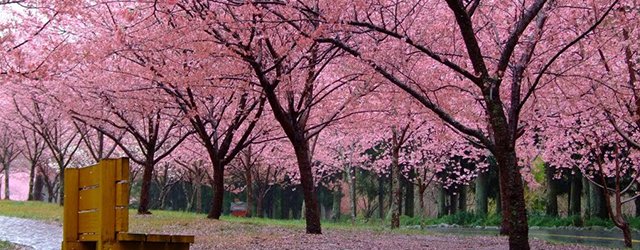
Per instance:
{"type": "Point", "coordinates": [259, 233]}
{"type": "Point", "coordinates": [6, 246]}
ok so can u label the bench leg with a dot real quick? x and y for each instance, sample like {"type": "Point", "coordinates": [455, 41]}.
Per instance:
{"type": "Point", "coordinates": [78, 246]}
{"type": "Point", "coordinates": [152, 246]}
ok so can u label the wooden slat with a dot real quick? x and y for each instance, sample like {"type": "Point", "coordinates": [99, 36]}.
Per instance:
{"type": "Point", "coordinates": [89, 237]}
{"type": "Point", "coordinates": [70, 222]}
{"type": "Point", "coordinates": [122, 169]}
{"type": "Point", "coordinates": [182, 238]}
{"type": "Point", "coordinates": [107, 211]}
{"type": "Point", "coordinates": [122, 195]}
{"type": "Point", "coordinates": [89, 199]}
{"type": "Point", "coordinates": [89, 176]}
{"type": "Point", "coordinates": [158, 238]}
{"type": "Point", "coordinates": [131, 237]}
{"type": "Point", "coordinates": [122, 219]}
{"type": "Point", "coordinates": [88, 222]}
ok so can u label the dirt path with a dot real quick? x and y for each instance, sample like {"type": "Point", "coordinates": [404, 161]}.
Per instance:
{"type": "Point", "coordinates": [31, 233]}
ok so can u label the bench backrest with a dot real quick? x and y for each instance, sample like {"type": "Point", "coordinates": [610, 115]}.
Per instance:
{"type": "Point", "coordinates": [96, 203]}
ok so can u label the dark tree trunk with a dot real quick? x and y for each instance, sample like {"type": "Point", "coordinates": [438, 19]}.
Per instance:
{"type": "Point", "coordinates": [576, 191]}
{"type": "Point", "coordinates": [259, 209]}
{"type": "Point", "coordinates": [395, 182]}
{"type": "Point", "coordinates": [218, 192]}
{"type": "Point", "coordinates": [482, 196]}
{"type": "Point", "coordinates": [442, 202]}
{"type": "Point", "coordinates": [626, 232]}
{"type": "Point", "coordinates": [453, 204]}
{"type": "Point", "coordinates": [401, 197]}
{"type": "Point", "coordinates": [61, 188]}
{"type": "Point", "coordinates": [598, 202]}
{"type": "Point", "coordinates": [337, 202]}
{"type": "Point", "coordinates": [514, 200]}
{"type": "Point", "coordinates": [312, 211]}
{"type": "Point", "coordinates": [637, 203]}
{"type": "Point", "coordinates": [552, 192]}
{"type": "Point", "coordinates": [381, 197]}
{"type": "Point", "coordinates": [421, 190]}
{"type": "Point", "coordinates": [7, 190]}
{"type": "Point", "coordinates": [462, 202]}
{"type": "Point", "coordinates": [32, 176]}
{"type": "Point", "coordinates": [249, 191]}
{"type": "Point", "coordinates": [285, 202]}
{"type": "Point", "coordinates": [409, 205]}
{"type": "Point", "coordinates": [37, 191]}
{"type": "Point", "coordinates": [352, 193]}
{"type": "Point", "coordinates": [499, 206]}
{"type": "Point", "coordinates": [503, 202]}
{"type": "Point", "coordinates": [199, 197]}
{"type": "Point", "coordinates": [586, 188]}
{"type": "Point", "coordinates": [143, 208]}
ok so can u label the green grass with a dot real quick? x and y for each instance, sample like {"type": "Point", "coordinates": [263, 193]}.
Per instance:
{"type": "Point", "coordinates": [7, 246]}
{"type": "Point", "coordinates": [31, 210]}
{"type": "Point", "coordinates": [53, 213]}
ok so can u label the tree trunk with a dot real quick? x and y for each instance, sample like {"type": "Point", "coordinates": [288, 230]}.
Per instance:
{"type": "Point", "coordinates": [285, 203]}
{"type": "Point", "coordinates": [381, 197]}
{"type": "Point", "coordinates": [552, 192]}
{"type": "Point", "coordinates": [586, 188]}
{"type": "Point", "coordinates": [499, 207]}
{"type": "Point", "coordinates": [453, 204]}
{"type": "Point", "coordinates": [143, 208]}
{"type": "Point", "coordinates": [462, 202]}
{"type": "Point", "coordinates": [598, 202]}
{"type": "Point", "coordinates": [198, 197]}
{"type": "Point", "coordinates": [482, 195]}
{"type": "Point", "coordinates": [409, 205]}
{"type": "Point", "coordinates": [421, 190]}
{"type": "Point", "coordinates": [32, 175]}
{"type": "Point", "coordinates": [259, 210]}
{"type": "Point", "coordinates": [576, 190]}
{"type": "Point", "coordinates": [352, 193]}
{"type": "Point", "coordinates": [37, 192]}
{"type": "Point", "coordinates": [395, 180]}
{"type": "Point", "coordinates": [218, 192]}
{"type": "Point", "coordinates": [61, 189]}
{"type": "Point", "coordinates": [312, 211]}
{"type": "Point", "coordinates": [7, 190]}
{"type": "Point", "coordinates": [401, 197]}
{"type": "Point", "coordinates": [626, 231]}
{"type": "Point", "coordinates": [249, 190]}
{"type": "Point", "coordinates": [515, 210]}
{"type": "Point", "coordinates": [442, 202]}
{"type": "Point", "coordinates": [337, 201]}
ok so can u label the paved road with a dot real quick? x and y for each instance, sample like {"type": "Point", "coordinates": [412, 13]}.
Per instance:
{"type": "Point", "coordinates": [598, 238]}
{"type": "Point", "coordinates": [35, 234]}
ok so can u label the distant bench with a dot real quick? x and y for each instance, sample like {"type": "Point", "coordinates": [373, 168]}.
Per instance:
{"type": "Point", "coordinates": [96, 211]}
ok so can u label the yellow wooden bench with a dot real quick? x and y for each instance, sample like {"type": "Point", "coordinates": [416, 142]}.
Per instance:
{"type": "Point", "coordinates": [96, 211]}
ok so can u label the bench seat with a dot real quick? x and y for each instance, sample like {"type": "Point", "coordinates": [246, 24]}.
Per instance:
{"type": "Point", "coordinates": [155, 238]}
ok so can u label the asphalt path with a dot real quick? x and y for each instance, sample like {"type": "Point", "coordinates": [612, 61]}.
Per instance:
{"type": "Point", "coordinates": [31, 233]}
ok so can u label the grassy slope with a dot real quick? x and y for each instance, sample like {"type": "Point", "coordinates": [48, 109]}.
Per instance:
{"type": "Point", "coordinates": [160, 219]}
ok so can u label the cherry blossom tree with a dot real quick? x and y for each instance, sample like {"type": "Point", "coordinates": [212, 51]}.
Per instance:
{"type": "Point", "coordinates": [9, 151]}
{"type": "Point", "coordinates": [393, 24]}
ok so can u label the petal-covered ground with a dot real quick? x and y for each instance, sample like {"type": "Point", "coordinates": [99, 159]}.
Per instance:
{"type": "Point", "coordinates": [212, 234]}
{"type": "Point", "coordinates": [40, 227]}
